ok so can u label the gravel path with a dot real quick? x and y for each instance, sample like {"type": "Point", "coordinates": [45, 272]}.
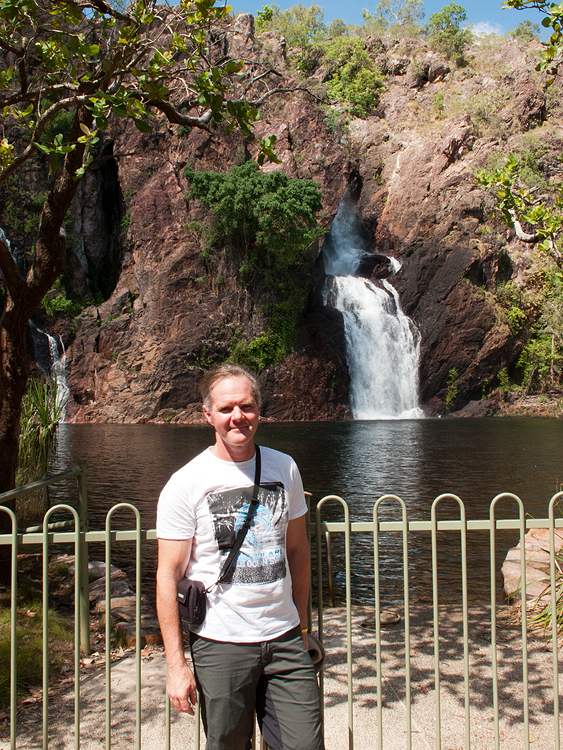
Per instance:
{"type": "Point", "coordinates": [394, 709]}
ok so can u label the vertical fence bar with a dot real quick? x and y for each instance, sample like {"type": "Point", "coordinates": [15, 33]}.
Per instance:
{"type": "Point", "coordinates": [438, 728]}
{"type": "Point", "coordinates": [435, 607]}
{"type": "Point", "coordinates": [13, 625]}
{"type": "Point", "coordinates": [46, 624]}
{"type": "Point", "coordinates": [122, 506]}
{"type": "Point", "coordinates": [554, 617]}
{"type": "Point", "coordinates": [522, 527]}
{"type": "Point", "coordinates": [377, 593]}
{"type": "Point", "coordinates": [83, 553]}
{"type": "Point", "coordinates": [347, 533]}
{"type": "Point", "coordinates": [318, 537]}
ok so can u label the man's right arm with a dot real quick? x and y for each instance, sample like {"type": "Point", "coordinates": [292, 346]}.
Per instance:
{"type": "Point", "coordinates": [173, 558]}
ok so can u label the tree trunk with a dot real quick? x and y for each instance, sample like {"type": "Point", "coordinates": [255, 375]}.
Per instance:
{"type": "Point", "coordinates": [23, 297]}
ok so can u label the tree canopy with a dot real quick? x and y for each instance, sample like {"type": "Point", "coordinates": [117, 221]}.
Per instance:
{"type": "Point", "coordinates": [88, 63]}
{"type": "Point", "coordinates": [446, 34]}
{"type": "Point", "coordinates": [395, 17]}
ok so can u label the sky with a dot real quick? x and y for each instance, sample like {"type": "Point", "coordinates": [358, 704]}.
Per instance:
{"type": "Point", "coordinates": [486, 15]}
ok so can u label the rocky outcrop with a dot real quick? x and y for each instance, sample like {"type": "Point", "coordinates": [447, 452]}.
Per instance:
{"type": "Point", "coordinates": [138, 356]}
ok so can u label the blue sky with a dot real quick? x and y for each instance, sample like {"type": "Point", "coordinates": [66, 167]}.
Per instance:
{"type": "Point", "coordinates": [487, 15]}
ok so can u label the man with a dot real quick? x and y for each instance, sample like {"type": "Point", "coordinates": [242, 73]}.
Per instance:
{"type": "Point", "coordinates": [250, 652]}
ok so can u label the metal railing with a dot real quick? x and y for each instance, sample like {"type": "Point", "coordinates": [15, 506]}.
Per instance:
{"type": "Point", "coordinates": [325, 533]}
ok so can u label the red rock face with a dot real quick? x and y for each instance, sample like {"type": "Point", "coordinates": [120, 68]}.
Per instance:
{"type": "Point", "coordinates": [138, 356]}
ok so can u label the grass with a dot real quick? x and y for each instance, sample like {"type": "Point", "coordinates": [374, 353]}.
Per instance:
{"type": "Point", "coordinates": [29, 639]}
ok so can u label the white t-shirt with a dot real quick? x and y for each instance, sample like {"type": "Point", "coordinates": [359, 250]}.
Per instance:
{"type": "Point", "coordinates": [207, 500]}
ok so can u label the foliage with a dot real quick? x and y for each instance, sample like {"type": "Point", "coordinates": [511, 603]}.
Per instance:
{"type": "Point", "coordinates": [526, 31]}
{"type": "Point", "coordinates": [336, 123]}
{"type": "Point", "coordinates": [504, 382]}
{"type": "Point", "coordinates": [354, 78]}
{"type": "Point", "coordinates": [263, 224]}
{"type": "Point", "coordinates": [445, 33]}
{"type": "Point", "coordinates": [29, 638]}
{"type": "Point", "coordinates": [516, 203]}
{"type": "Point", "coordinates": [540, 362]}
{"type": "Point", "coordinates": [59, 304]}
{"type": "Point", "coordinates": [41, 411]}
{"type": "Point", "coordinates": [438, 105]}
{"type": "Point", "coordinates": [337, 27]}
{"type": "Point", "coordinates": [551, 56]}
{"type": "Point", "coordinates": [299, 26]}
{"type": "Point", "coordinates": [398, 17]}
{"type": "Point", "coordinates": [264, 221]}
{"type": "Point", "coordinates": [90, 62]}
{"type": "Point", "coordinates": [452, 388]}
{"type": "Point", "coordinates": [104, 61]}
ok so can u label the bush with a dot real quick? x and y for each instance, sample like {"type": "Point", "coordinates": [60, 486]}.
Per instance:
{"type": "Point", "coordinates": [452, 388]}
{"type": "Point", "coordinates": [264, 221]}
{"type": "Point", "coordinates": [355, 80]}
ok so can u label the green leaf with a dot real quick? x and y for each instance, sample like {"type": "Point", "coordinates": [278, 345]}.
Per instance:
{"type": "Point", "coordinates": [142, 126]}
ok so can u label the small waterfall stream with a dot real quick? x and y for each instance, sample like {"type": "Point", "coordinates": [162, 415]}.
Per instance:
{"type": "Point", "coordinates": [382, 343]}
{"type": "Point", "coordinates": [49, 355]}
{"type": "Point", "coordinates": [45, 350]}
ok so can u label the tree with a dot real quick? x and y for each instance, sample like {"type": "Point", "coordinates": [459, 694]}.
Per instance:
{"type": "Point", "coordinates": [526, 31]}
{"type": "Point", "coordinates": [551, 57]}
{"type": "Point", "coordinates": [399, 17]}
{"type": "Point", "coordinates": [445, 33]}
{"type": "Point", "coordinates": [298, 25]}
{"type": "Point", "coordinates": [96, 62]}
{"type": "Point", "coordinates": [337, 27]}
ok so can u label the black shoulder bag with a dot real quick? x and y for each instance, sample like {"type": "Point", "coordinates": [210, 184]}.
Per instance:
{"type": "Point", "coordinates": [192, 595]}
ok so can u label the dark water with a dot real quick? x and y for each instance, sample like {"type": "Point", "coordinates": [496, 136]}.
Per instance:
{"type": "Point", "coordinates": [360, 461]}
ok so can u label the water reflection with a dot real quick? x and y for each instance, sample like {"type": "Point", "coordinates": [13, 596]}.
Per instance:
{"type": "Point", "coordinates": [360, 461]}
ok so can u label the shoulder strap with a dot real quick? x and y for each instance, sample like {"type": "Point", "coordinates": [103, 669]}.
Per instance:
{"type": "Point", "coordinates": [247, 521]}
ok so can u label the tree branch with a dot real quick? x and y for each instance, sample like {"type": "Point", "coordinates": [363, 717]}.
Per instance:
{"type": "Point", "coordinates": [29, 151]}
{"type": "Point", "coordinates": [178, 118]}
{"type": "Point", "coordinates": [520, 233]}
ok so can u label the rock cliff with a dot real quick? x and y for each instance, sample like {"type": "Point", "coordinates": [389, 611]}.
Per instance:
{"type": "Point", "coordinates": [410, 166]}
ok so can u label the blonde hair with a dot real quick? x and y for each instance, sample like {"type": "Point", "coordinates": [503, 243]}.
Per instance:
{"type": "Point", "coordinates": [221, 372]}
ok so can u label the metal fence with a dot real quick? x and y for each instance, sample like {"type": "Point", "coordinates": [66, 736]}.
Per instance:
{"type": "Point", "coordinates": [381, 689]}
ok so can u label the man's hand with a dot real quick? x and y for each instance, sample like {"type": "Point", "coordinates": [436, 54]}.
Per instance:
{"type": "Point", "coordinates": [181, 688]}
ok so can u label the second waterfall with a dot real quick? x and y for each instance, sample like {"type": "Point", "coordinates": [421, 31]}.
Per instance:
{"type": "Point", "coordinates": [382, 343]}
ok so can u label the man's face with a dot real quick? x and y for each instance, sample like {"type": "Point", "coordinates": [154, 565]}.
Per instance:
{"type": "Point", "coordinates": [234, 413]}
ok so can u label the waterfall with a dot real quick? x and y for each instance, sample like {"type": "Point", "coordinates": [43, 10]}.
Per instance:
{"type": "Point", "coordinates": [49, 355]}
{"type": "Point", "coordinates": [382, 343]}
{"type": "Point", "coordinates": [58, 374]}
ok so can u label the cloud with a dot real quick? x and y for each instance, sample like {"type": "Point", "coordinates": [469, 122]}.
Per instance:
{"type": "Point", "coordinates": [484, 28]}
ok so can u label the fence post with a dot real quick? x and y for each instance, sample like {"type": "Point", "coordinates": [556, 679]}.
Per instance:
{"type": "Point", "coordinates": [83, 552]}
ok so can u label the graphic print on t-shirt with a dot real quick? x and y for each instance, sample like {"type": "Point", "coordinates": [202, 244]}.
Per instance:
{"type": "Point", "coordinates": [261, 558]}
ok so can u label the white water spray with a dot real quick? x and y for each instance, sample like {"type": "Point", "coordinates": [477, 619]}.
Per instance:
{"type": "Point", "coordinates": [58, 373]}
{"type": "Point", "coordinates": [382, 343]}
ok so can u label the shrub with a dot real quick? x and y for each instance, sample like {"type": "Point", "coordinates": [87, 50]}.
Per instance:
{"type": "Point", "coordinates": [354, 80]}
{"type": "Point", "coordinates": [452, 388]}
{"type": "Point", "coordinates": [264, 221]}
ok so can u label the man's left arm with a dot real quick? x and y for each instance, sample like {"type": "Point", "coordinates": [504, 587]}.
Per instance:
{"type": "Point", "coordinates": [299, 559]}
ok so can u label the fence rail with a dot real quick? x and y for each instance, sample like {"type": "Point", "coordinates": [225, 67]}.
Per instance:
{"type": "Point", "coordinates": [324, 533]}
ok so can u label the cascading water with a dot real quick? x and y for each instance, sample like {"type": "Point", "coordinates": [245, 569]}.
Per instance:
{"type": "Point", "coordinates": [49, 355]}
{"type": "Point", "coordinates": [382, 343]}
